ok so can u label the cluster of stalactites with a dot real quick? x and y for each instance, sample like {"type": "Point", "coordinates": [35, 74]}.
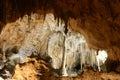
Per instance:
{"type": "Point", "coordinates": [77, 53]}
{"type": "Point", "coordinates": [45, 37]}
{"type": "Point", "coordinates": [70, 50]}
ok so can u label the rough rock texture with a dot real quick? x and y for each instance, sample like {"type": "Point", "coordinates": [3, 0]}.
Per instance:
{"type": "Point", "coordinates": [32, 69]}
{"type": "Point", "coordinates": [21, 39]}
{"type": "Point", "coordinates": [35, 36]}
{"type": "Point", "coordinates": [35, 69]}
{"type": "Point", "coordinates": [98, 20]}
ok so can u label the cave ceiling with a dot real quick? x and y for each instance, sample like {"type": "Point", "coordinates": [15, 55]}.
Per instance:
{"type": "Point", "coordinates": [97, 20]}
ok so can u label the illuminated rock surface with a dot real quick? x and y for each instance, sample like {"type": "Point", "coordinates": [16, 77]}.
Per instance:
{"type": "Point", "coordinates": [68, 54]}
{"type": "Point", "coordinates": [97, 20]}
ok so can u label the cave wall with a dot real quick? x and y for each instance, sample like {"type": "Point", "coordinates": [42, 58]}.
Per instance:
{"type": "Point", "coordinates": [34, 36]}
{"type": "Point", "coordinates": [94, 10]}
{"type": "Point", "coordinates": [97, 20]}
{"type": "Point", "coordinates": [98, 37]}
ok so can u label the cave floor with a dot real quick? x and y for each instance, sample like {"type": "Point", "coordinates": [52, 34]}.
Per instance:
{"type": "Point", "coordinates": [38, 70]}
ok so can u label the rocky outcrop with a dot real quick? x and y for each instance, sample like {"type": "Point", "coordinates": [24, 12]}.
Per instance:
{"type": "Point", "coordinates": [30, 36]}
{"type": "Point", "coordinates": [97, 20]}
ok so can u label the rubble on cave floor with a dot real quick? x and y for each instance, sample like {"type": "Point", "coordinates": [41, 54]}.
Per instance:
{"type": "Point", "coordinates": [35, 69]}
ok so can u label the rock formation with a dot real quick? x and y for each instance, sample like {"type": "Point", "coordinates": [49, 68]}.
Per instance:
{"type": "Point", "coordinates": [26, 27]}
{"type": "Point", "coordinates": [98, 19]}
{"type": "Point", "coordinates": [67, 53]}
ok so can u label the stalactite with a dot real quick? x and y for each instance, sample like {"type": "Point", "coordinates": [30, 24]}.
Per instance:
{"type": "Point", "coordinates": [68, 51]}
